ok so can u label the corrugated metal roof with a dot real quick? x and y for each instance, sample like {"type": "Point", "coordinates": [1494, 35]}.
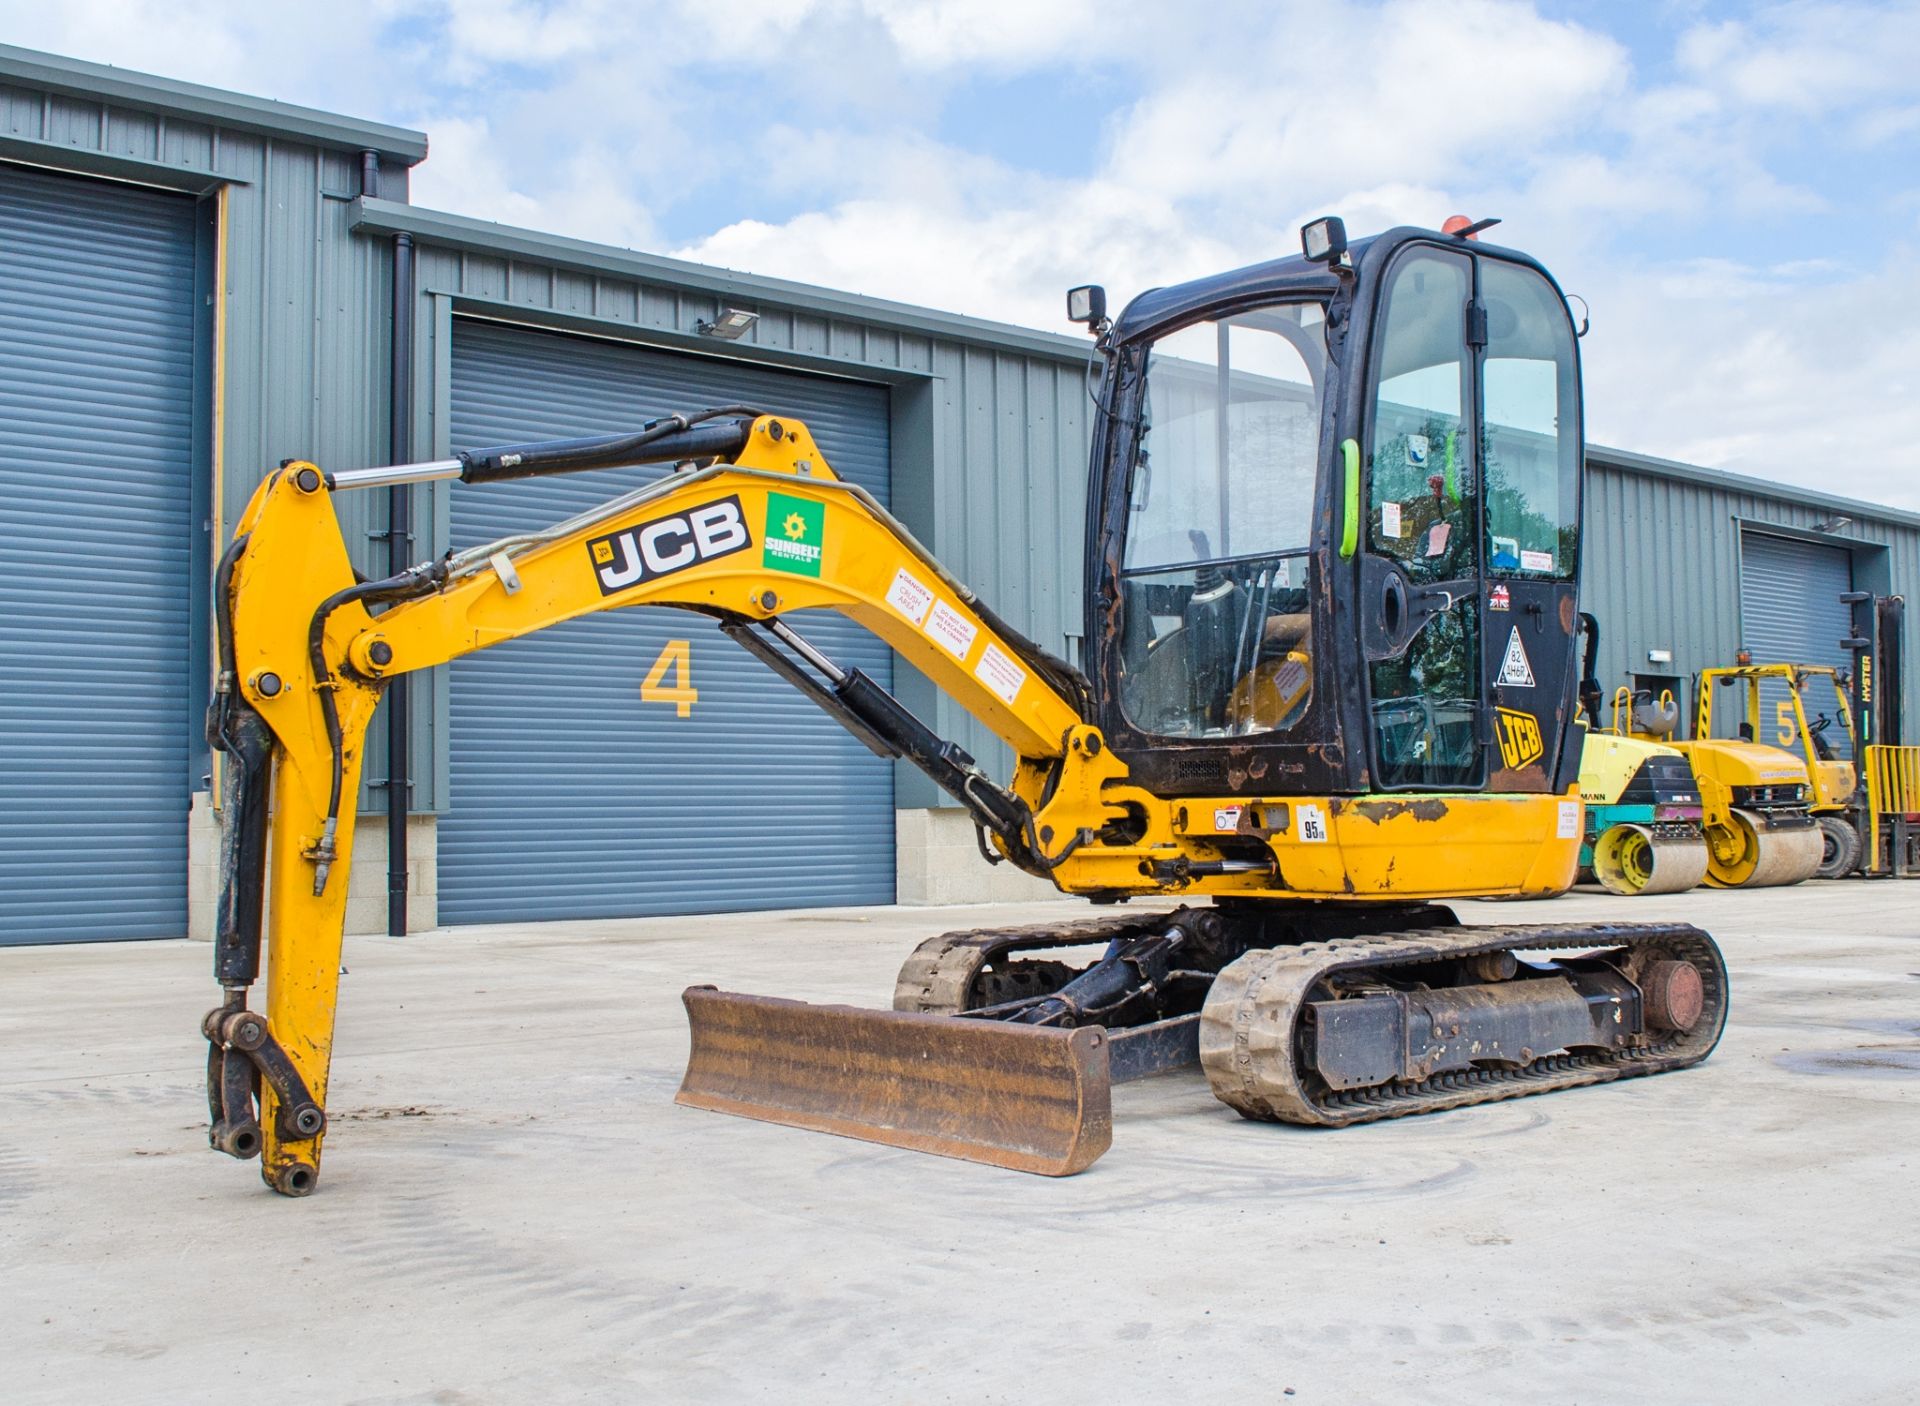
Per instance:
{"type": "Point", "coordinates": [98, 82]}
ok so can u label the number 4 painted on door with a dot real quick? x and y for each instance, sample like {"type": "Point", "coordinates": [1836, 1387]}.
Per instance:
{"type": "Point", "coordinates": [677, 656]}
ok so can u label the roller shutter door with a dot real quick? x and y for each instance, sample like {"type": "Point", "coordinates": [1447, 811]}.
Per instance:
{"type": "Point", "coordinates": [571, 797]}
{"type": "Point", "coordinates": [96, 450]}
{"type": "Point", "coordinates": [1791, 613]}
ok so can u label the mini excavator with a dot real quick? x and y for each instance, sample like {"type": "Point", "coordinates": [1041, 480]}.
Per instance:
{"type": "Point", "coordinates": [1332, 560]}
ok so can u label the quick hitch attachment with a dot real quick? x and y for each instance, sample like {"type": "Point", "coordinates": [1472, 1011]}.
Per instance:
{"type": "Point", "coordinates": [241, 1053]}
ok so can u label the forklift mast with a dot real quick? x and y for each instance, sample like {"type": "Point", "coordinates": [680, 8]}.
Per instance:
{"type": "Point", "coordinates": [1877, 676]}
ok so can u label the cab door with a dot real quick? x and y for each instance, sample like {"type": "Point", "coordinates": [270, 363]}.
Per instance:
{"type": "Point", "coordinates": [1529, 452]}
{"type": "Point", "coordinates": [1420, 572]}
{"type": "Point", "coordinates": [1467, 583]}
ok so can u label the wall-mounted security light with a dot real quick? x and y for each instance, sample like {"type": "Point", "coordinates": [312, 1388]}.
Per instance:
{"type": "Point", "coordinates": [1659, 656]}
{"type": "Point", "coordinates": [1833, 524]}
{"type": "Point", "coordinates": [730, 326]}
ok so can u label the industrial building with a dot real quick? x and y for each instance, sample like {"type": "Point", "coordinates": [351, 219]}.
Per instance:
{"type": "Point", "coordinates": [196, 285]}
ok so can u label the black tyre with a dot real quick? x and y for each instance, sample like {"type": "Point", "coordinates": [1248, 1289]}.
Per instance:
{"type": "Point", "coordinates": [1841, 854]}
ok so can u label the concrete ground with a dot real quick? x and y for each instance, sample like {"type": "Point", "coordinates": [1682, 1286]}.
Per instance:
{"type": "Point", "coordinates": [512, 1208]}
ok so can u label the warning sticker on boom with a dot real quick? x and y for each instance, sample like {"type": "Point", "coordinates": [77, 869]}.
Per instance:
{"type": "Point", "coordinates": [909, 595]}
{"type": "Point", "coordinates": [1516, 670]}
{"type": "Point", "coordinates": [1000, 673]}
{"type": "Point", "coordinates": [952, 629]}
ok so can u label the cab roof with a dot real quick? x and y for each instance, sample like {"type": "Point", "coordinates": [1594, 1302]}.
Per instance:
{"type": "Point", "coordinates": [1159, 309]}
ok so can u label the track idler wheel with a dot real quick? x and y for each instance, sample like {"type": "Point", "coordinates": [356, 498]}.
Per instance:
{"type": "Point", "coordinates": [1672, 996]}
{"type": "Point", "coordinates": [1632, 860]}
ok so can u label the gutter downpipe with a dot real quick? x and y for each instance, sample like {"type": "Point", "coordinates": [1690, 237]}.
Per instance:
{"type": "Point", "coordinates": [399, 557]}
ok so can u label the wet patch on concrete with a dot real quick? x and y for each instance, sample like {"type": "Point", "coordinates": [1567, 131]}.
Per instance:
{"type": "Point", "coordinates": [1909, 1028]}
{"type": "Point", "coordinates": [1865, 1063]}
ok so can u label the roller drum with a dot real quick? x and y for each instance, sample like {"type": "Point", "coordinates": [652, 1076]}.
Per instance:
{"type": "Point", "coordinates": [1636, 860]}
{"type": "Point", "coordinates": [1758, 851]}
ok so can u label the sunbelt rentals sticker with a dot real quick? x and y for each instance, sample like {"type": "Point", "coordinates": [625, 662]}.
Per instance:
{"type": "Point", "coordinates": [796, 530]}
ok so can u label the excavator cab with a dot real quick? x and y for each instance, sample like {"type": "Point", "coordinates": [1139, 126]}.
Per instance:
{"type": "Point", "coordinates": [1335, 534]}
{"type": "Point", "coordinates": [1331, 565]}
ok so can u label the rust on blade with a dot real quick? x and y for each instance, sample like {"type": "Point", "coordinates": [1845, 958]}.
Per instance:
{"type": "Point", "coordinates": [1025, 1097]}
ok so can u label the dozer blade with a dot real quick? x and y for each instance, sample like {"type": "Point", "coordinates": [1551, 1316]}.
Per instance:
{"type": "Point", "coordinates": [1027, 1097]}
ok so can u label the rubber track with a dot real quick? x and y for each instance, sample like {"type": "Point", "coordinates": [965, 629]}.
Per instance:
{"type": "Point", "coordinates": [1249, 1026]}
{"type": "Point", "coordinates": [939, 976]}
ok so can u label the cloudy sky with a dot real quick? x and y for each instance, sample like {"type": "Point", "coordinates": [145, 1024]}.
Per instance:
{"type": "Point", "coordinates": [1735, 189]}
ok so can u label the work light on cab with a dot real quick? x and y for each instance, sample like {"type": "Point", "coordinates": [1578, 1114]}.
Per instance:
{"type": "Point", "coordinates": [1324, 241]}
{"type": "Point", "coordinates": [1087, 304]}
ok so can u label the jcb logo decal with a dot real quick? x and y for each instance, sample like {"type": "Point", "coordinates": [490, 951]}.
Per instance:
{"type": "Point", "coordinates": [1519, 738]}
{"type": "Point", "coordinates": [649, 550]}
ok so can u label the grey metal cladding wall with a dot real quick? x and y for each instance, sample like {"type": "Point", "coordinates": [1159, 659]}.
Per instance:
{"type": "Point", "coordinates": [571, 797]}
{"type": "Point", "coordinates": [308, 313]}
{"type": "Point", "coordinates": [1662, 566]}
{"type": "Point", "coordinates": [96, 435]}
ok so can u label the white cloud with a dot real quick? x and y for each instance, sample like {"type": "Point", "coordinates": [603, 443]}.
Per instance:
{"type": "Point", "coordinates": [1801, 372]}
{"type": "Point", "coordinates": [943, 33]}
{"type": "Point", "coordinates": [1807, 58]}
{"type": "Point", "coordinates": [469, 173]}
{"type": "Point", "coordinates": [1297, 110]}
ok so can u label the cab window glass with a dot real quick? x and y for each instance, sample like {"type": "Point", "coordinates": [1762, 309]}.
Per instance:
{"type": "Point", "coordinates": [1423, 512]}
{"type": "Point", "coordinates": [1420, 509]}
{"type": "Point", "coordinates": [1531, 436]}
{"type": "Point", "coordinates": [1215, 578]}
